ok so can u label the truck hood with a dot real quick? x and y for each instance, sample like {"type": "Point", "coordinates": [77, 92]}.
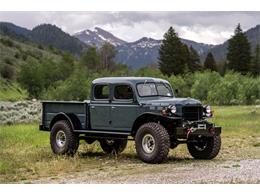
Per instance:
{"type": "Point", "coordinates": [171, 101]}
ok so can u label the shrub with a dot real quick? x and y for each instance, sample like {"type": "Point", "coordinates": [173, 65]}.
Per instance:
{"type": "Point", "coordinates": [17, 55]}
{"type": "Point", "coordinates": [179, 83]}
{"type": "Point", "coordinates": [249, 90]}
{"type": "Point", "coordinates": [225, 91]}
{"type": "Point", "coordinates": [203, 83]}
{"type": "Point", "coordinates": [40, 47]}
{"type": "Point", "coordinates": [8, 61]}
{"type": "Point", "coordinates": [7, 42]}
{"type": "Point", "coordinates": [8, 72]}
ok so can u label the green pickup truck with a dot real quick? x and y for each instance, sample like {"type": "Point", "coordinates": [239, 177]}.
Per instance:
{"type": "Point", "coordinates": [142, 109]}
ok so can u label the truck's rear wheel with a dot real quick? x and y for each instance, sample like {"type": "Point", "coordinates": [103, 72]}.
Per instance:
{"type": "Point", "coordinates": [113, 146]}
{"type": "Point", "coordinates": [62, 139]}
{"type": "Point", "coordinates": [152, 143]}
{"type": "Point", "coordinates": [204, 147]}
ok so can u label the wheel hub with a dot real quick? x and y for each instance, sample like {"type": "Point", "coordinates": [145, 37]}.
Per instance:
{"type": "Point", "coordinates": [201, 144]}
{"type": "Point", "coordinates": [60, 139]}
{"type": "Point", "coordinates": [148, 143]}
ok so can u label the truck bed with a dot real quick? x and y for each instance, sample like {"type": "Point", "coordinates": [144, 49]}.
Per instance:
{"type": "Point", "coordinates": [51, 108]}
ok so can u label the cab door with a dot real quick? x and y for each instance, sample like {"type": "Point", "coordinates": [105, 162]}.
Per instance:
{"type": "Point", "coordinates": [100, 118]}
{"type": "Point", "coordinates": [123, 108]}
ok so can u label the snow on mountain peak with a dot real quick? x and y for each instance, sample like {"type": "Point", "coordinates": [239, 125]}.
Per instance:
{"type": "Point", "coordinates": [98, 36]}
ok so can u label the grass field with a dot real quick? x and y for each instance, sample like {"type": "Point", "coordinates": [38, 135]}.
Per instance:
{"type": "Point", "coordinates": [25, 152]}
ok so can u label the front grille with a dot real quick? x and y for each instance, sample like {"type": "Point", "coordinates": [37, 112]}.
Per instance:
{"type": "Point", "coordinates": [192, 113]}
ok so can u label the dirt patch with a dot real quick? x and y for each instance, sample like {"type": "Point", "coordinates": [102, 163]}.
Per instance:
{"type": "Point", "coordinates": [193, 171]}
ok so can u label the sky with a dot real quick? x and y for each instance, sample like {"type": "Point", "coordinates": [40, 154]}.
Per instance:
{"type": "Point", "coordinates": [205, 27]}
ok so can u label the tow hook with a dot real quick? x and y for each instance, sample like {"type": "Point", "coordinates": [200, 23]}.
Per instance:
{"type": "Point", "coordinates": [189, 131]}
{"type": "Point", "coordinates": [212, 131]}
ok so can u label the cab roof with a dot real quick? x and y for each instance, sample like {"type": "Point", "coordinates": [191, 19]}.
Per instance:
{"type": "Point", "coordinates": [133, 80]}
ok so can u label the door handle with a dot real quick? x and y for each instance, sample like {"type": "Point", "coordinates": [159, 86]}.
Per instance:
{"type": "Point", "coordinates": [92, 107]}
{"type": "Point", "coordinates": [113, 107]}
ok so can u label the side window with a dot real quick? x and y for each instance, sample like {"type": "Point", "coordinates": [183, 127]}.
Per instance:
{"type": "Point", "coordinates": [101, 92]}
{"type": "Point", "coordinates": [123, 92]}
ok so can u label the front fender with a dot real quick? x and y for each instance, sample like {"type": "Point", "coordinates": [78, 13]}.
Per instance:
{"type": "Point", "coordinates": [151, 117]}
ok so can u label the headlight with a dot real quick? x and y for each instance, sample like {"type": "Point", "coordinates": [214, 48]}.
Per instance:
{"type": "Point", "coordinates": [172, 109]}
{"type": "Point", "coordinates": [208, 111]}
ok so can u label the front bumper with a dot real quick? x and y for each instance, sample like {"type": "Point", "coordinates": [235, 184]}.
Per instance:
{"type": "Point", "coordinates": [197, 128]}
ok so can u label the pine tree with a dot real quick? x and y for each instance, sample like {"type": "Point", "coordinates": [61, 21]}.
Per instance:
{"type": "Point", "coordinates": [171, 54]}
{"type": "Point", "coordinates": [210, 63]}
{"type": "Point", "coordinates": [186, 57]}
{"type": "Point", "coordinates": [238, 54]}
{"type": "Point", "coordinates": [194, 60]}
{"type": "Point", "coordinates": [255, 69]}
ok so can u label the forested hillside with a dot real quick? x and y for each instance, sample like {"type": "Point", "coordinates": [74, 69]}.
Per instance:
{"type": "Point", "coordinates": [30, 69]}
{"type": "Point", "coordinates": [14, 55]}
{"type": "Point", "coordinates": [44, 34]}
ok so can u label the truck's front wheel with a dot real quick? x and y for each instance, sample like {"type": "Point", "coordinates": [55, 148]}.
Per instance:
{"type": "Point", "coordinates": [111, 146]}
{"type": "Point", "coordinates": [204, 147]}
{"type": "Point", "coordinates": [62, 139]}
{"type": "Point", "coordinates": [152, 143]}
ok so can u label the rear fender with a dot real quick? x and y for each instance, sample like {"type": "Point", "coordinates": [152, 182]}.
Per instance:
{"type": "Point", "coordinates": [71, 118]}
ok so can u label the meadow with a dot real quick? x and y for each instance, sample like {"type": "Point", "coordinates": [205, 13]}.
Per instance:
{"type": "Point", "coordinates": [25, 153]}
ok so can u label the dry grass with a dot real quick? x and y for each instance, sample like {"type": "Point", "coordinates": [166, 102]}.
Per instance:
{"type": "Point", "coordinates": [19, 112]}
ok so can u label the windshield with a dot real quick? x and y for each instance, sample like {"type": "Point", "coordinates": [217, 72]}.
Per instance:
{"type": "Point", "coordinates": [154, 89]}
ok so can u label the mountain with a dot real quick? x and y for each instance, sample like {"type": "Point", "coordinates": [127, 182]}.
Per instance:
{"type": "Point", "coordinates": [51, 35]}
{"type": "Point", "coordinates": [139, 53]}
{"type": "Point", "coordinates": [44, 34]}
{"type": "Point", "coordinates": [220, 51]}
{"type": "Point", "coordinates": [135, 54]}
{"type": "Point", "coordinates": [97, 37]}
{"type": "Point", "coordinates": [145, 51]}
{"type": "Point", "coordinates": [12, 30]}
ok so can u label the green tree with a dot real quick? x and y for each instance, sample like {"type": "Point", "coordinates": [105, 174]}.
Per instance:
{"type": "Point", "coordinates": [194, 60]}
{"type": "Point", "coordinates": [108, 54]}
{"type": "Point", "coordinates": [91, 59]}
{"type": "Point", "coordinates": [255, 69]}
{"type": "Point", "coordinates": [30, 77]}
{"type": "Point", "coordinates": [238, 54]}
{"type": "Point", "coordinates": [172, 57]}
{"type": "Point", "coordinates": [210, 63]}
{"type": "Point", "coordinates": [50, 72]}
{"type": "Point", "coordinates": [76, 87]}
{"type": "Point", "coordinates": [66, 66]}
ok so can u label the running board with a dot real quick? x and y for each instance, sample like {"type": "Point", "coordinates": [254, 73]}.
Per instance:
{"type": "Point", "coordinates": [102, 132]}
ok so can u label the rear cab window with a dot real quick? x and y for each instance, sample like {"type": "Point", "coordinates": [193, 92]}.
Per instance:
{"type": "Point", "coordinates": [101, 92]}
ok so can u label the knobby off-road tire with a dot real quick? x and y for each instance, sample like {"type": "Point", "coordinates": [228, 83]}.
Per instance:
{"type": "Point", "coordinates": [113, 146]}
{"type": "Point", "coordinates": [152, 143]}
{"type": "Point", "coordinates": [209, 151]}
{"type": "Point", "coordinates": [63, 140]}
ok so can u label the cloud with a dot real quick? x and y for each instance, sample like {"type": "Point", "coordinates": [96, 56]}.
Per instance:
{"type": "Point", "coordinates": [207, 27]}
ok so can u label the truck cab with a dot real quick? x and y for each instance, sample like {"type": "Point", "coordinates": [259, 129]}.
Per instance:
{"type": "Point", "coordinates": [142, 109]}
